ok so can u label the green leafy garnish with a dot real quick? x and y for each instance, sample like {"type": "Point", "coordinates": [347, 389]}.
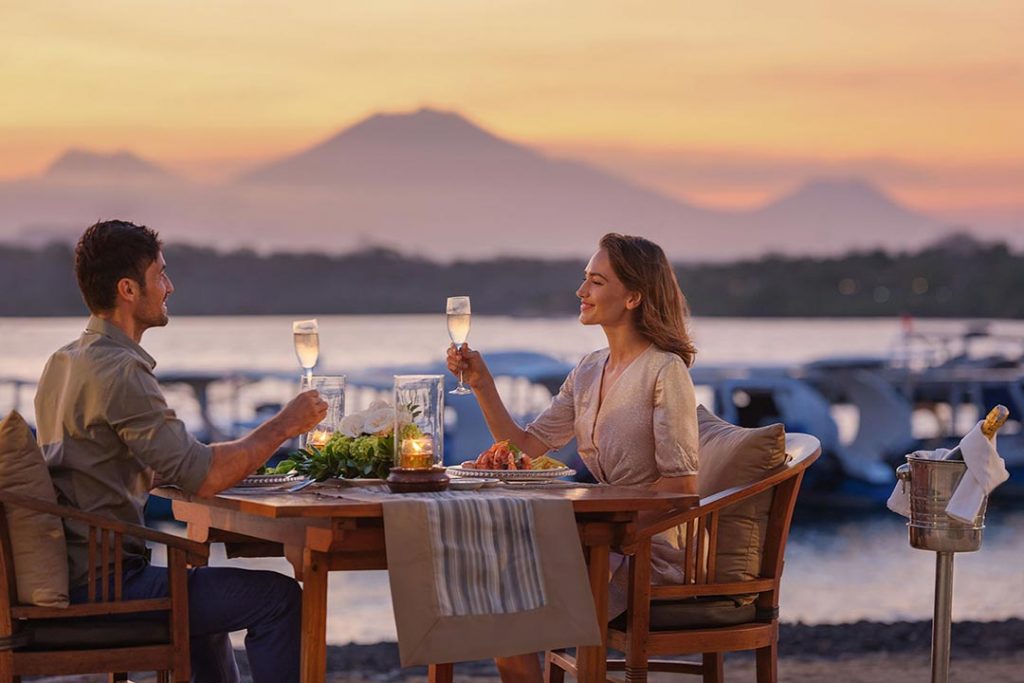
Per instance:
{"type": "Point", "coordinates": [343, 457]}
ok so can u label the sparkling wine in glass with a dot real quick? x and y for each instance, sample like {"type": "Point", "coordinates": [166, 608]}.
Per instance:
{"type": "Point", "coordinates": [307, 344]}
{"type": "Point", "coordinates": [458, 330]}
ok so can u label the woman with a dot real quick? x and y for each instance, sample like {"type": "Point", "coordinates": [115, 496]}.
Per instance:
{"type": "Point", "coordinates": [630, 406]}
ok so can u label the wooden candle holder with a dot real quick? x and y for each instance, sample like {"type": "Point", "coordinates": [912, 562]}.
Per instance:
{"type": "Point", "coordinates": [406, 480]}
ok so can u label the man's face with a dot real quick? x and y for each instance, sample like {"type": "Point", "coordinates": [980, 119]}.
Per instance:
{"type": "Point", "coordinates": [151, 307]}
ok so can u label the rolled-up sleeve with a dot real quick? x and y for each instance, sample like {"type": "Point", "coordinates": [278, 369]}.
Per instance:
{"type": "Point", "coordinates": [555, 427]}
{"type": "Point", "coordinates": [152, 432]}
{"type": "Point", "coordinates": [676, 444]}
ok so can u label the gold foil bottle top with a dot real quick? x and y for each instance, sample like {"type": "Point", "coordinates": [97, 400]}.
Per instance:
{"type": "Point", "coordinates": [995, 419]}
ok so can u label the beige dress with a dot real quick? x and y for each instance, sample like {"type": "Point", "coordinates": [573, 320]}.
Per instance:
{"type": "Point", "coordinates": [645, 429]}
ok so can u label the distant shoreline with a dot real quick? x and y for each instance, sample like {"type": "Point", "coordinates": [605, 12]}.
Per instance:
{"type": "Point", "coordinates": [955, 278]}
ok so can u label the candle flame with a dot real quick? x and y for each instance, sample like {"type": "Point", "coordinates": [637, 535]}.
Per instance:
{"type": "Point", "coordinates": [417, 453]}
{"type": "Point", "coordinates": [319, 437]}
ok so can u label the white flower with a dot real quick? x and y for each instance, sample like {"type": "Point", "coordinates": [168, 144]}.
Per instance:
{"type": "Point", "coordinates": [352, 425]}
{"type": "Point", "coordinates": [380, 421]}
{"type": "Point", "coordinates": [377, 405]}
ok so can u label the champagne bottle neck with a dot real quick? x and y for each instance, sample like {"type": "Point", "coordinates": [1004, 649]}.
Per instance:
{"type": "Point", "coordinates": [995, 419]}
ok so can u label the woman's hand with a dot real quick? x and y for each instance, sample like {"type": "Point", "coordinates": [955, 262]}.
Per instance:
{"type": "Point", "coordinates": [464, 360]}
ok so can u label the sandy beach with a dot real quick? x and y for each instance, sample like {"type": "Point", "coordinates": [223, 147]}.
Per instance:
{"type": "Point", "coordinates": [863, 652]}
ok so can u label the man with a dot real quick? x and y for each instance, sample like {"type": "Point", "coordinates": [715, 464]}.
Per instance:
{"type": "Point", "coordinates": [106, 432]}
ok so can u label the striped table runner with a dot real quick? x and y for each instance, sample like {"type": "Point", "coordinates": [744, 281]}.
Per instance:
{"type": "Point", "coordinates": [482, 574]}
{"type": "Point", "coordinates": [486, 559]}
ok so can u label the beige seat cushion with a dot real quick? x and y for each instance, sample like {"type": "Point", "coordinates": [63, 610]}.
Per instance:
{"type": "Point", "coordinates": [37, 539]}
{"type": "Point", "coordinates": [700, 612]}
{"type": "Point", "coordinates": [735, 456]}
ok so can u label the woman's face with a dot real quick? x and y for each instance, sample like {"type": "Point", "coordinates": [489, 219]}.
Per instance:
{"type": "Point", "coordinates": [604, 300]}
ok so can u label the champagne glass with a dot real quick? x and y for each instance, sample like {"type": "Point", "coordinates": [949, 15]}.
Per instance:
{"type": "Point", "coordinates": [458, 330]}
{"type": "Point", "coordinates": [307, 345]}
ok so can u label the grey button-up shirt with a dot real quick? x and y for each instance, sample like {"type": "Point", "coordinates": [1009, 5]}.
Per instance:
{"type": "Point", "coordinates": [105, 430]}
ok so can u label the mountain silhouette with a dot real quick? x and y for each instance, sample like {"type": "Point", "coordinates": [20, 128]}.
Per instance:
{"type": "Point", "coordinates": [396, 147]}
{"type": "Point", "coordinates": [435, 175]}
{"type": "Point", "coordinates": [435, 184]}
{"type": "Point", "coordinates": [86, 166]}
{"type": "Point", "coordinates": [849, 213]}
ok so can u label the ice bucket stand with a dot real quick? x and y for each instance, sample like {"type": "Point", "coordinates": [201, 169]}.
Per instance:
{"type": "Point", "coordinates": [931, 483]}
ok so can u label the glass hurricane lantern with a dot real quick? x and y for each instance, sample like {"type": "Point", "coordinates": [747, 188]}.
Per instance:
{"type": "Point", "coordinates": [419, 434]}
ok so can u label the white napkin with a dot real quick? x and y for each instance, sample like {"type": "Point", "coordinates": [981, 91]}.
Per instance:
{"type": "Point", "coordinates": [985, 471]}
{"type": "Point", "coordinates": [899, 500]}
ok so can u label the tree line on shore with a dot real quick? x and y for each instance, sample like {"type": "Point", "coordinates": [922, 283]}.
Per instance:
{"type": "Point", "coordinates": [956, 277]}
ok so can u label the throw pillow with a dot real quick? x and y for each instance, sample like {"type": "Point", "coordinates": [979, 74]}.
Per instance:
{"type": "Point", "coordinates": [37, 539]}
{"type": "Point", "coordinates": [735, 456]}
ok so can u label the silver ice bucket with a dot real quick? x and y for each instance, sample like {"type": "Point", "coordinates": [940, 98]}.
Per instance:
{"type": "Point", "coordinates": [931, 484]}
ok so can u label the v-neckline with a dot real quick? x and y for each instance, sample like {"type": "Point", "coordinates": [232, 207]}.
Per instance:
{"type": "Point", "coordinates": [601, 401]}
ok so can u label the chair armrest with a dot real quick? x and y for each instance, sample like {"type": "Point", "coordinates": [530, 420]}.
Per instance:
{"type": "Point", "coordinates": [805, 450]}
{"type": "Point", "coordinates": [198, 553]}
{"type": "Point", "coordinates": [707, 505]}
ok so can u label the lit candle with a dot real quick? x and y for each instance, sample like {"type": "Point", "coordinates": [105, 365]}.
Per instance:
{"type": "Point", "coordinates": [318, 437]}
{"type": "Point", "coordinates": [418, 453]}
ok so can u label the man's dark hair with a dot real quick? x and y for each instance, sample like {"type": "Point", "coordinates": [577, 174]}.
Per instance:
{"type": "Point", "coordinates": [109, 251]}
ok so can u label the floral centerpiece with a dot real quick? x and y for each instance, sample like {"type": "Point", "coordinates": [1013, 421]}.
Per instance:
{"type": "Point", "coordinates": [363, 446]}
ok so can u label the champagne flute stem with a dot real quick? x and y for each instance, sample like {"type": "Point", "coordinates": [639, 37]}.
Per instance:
{"type": "Point", "coordinates": [462, 386]}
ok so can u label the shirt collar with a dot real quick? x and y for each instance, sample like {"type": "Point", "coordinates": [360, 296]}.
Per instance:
{"type": "Point", "coordinates": [114, 333]}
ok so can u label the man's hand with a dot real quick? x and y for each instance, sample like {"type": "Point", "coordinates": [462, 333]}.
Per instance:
{"type": "Point", "coordinates": [302, 413]}
{"type": "Point", "coordinates": [234, 460]}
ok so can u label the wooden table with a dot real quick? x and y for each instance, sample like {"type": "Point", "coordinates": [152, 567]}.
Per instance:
{"type": "Point", "coordinates": [320, 533]}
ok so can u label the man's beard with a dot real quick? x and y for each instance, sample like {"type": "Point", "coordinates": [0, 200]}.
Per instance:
{"type": "Point", "coordinates": [157, 318]}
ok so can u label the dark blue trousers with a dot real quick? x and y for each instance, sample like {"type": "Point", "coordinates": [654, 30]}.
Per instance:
{"type": "Point", "coordinates": [265, 604]}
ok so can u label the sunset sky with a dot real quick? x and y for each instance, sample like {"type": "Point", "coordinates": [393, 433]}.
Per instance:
{"type": "Point", "coordinates": [724, 103]}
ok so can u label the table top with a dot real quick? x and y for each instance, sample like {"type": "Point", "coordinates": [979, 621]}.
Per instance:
{"type": "Point", "coordinates": [329, 501]}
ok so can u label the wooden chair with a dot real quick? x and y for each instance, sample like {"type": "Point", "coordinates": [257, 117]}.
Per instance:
{"type": "Point", "coordinates": [105, 634]}
{"type": "Point", "coordinates": [699, 616]}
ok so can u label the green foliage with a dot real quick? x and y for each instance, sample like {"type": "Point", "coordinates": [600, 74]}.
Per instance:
{"type": "Point", "coordinates": [343, 457]}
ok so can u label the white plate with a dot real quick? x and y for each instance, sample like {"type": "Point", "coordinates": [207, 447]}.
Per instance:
{"type": "Point", "coordinates": [466, 484]}
{"type": "Point", "coordinates": [257, 480]}
{"type": "Point", "coordinates": [512, 475]}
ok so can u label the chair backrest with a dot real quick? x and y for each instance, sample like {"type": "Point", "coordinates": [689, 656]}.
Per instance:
{"type": "Point", "coordinates": [803, 449]}
{"type": "Point", "coordinates": [664, 619]}
{"type": "Point", "coordinates": [701, 524]}
{"type": "Point", "coordinates": [67, 640]}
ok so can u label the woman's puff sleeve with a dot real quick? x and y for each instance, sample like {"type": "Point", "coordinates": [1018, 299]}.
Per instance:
{"type": "Point", "coordinates": [556, 426]}
{"type": "Point", "coordinates": [676, 443]}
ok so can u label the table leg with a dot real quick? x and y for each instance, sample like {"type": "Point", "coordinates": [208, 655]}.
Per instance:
{"type": "Point", "coordinates": [314, 617]}
{"type": "Point", "coordinates": [440, 673]}
{"type": "Point", "coordinates": [590, 661]}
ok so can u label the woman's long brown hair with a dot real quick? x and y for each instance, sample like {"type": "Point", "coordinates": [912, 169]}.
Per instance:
{"type": "Point", "coordinates": [642, 267]}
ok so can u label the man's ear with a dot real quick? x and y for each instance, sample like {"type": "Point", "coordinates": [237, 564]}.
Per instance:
{"type": "Point", "coordinates": [128, 289]}
{"type": "Point", "coordinates": [633, 300]}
